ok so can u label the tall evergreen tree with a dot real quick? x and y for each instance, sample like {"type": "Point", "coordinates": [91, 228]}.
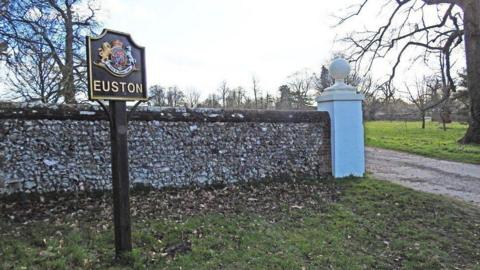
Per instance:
{"type": "Point", "coordinates": [324, 81]}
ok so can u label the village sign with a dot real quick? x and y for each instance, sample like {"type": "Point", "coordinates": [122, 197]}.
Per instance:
{"type": "Point", "coordinates": [116, 72]}
{"type": "Point", "coordinates": [116, 67]}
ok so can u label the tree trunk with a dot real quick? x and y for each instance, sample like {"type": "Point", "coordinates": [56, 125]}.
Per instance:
{"type": "Point", "coordinates": [471, 11]}
{"type": "Point", "coordinates": [423, 120]}
{"type": "Point", "coordinates": [444, 126]}
{"type": "Point", "coordinates": [68, 78]}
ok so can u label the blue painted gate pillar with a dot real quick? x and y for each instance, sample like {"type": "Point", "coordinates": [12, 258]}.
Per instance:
{"type": "Point", "coordinates": [344, 105]}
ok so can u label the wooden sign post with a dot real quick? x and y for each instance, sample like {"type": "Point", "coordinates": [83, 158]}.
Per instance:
{"type": "Point", "coordinates": [120, 179]}
{"type": "Point", "coordinates": [116, 72]}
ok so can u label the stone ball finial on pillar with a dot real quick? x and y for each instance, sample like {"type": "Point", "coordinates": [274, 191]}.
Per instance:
{"type": "Point", "coordinates": [339, 69]}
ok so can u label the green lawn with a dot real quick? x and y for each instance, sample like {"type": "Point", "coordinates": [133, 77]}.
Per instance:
{"type": "Point", "coordinates": [349, 224]}
{"type": "Point", "coordinates": [431, 141]}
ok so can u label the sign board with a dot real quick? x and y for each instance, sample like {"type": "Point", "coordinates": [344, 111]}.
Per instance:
{"type": "Point", "coordinates": [116, 72]}
{"type": "Point", "coordinates": [116, 67]}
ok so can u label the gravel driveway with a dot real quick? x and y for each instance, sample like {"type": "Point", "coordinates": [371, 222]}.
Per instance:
{"type": "Point", "coordinates": [454, 179]}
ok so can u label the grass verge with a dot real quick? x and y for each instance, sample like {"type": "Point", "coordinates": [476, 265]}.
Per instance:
{"type": "Point", "coordinates": [349, 224]}
{"type": "Point", "coordinates": [431, 141]}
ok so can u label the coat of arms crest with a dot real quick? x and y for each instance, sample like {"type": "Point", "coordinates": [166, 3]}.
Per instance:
{"type": "Point", "coordinates": [116, 67]}
{"type": "Point", "coordinates": [116, 58]}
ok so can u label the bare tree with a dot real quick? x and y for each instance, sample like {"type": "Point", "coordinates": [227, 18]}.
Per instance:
{"type": "Point", "coordinates": [158, 95]}
{"type": "Point", "coordinates": [373, 101]}
{"type": "Point", "coordinates": [371, 104]}
{"type": "Point", "coordinates": [256, 90]}
{"type": "Point", "coordinates": [223, 92]}
{"type": "Point", "coordinates": [3, 43]}
{"type": "Point", "coordinates": [236, 98]}
{"type": "Point", "coordinates": [175, 97]}
{"type": "Point", "coordinates": [211, 102]}
{"type": "Point", "coordinates": [387, 96]}
{"type": "Point", "coordinates": [3, 49]}
{"type": "Point", "coordinates": [420, 96]}
{"type": "Point", "coordinates": [33, 75]}
{"type": "Point", "coordinates": [58, 25]}
{"type": "Point", "coordinates": [193, 97]}
{"type": "Point", "coordinates": [441, 99]}
{"type": "Point", "coordinates": [461, 96]}
{"type": "Point", "coordinates": [408, 27]}
{"type": "Point", "coordinates": [269, 102]}
{"type": "Point", "coordinates": [300, 83]}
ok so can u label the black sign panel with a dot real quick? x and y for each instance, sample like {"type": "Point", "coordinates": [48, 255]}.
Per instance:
{"type": "Point", "coordinates": [116, 67]}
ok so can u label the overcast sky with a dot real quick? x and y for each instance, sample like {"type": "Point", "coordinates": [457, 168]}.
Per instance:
{"type": "Point", "coordinates": [198, 44]}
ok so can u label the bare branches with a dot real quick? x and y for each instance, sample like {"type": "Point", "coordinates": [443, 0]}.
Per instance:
{"type": "Point", "coordinates": [34, 75]}
{"type": "Point", "coordinates": [301, 82]}
{"type": "Point", "coordinates": [436, 2]}
{"type": "Point", "coordinates": [223, 91]}
{"type": "Point", "coordinates": [58, 27]}
{"type": "Point", "coordinates": [192, 97]}
{"type": "Point", "coordinates": [256, 90]}
{"type": "Point", "coordinates": [359, 10]}
{"type": "Point", "coordinates": [407, 26]}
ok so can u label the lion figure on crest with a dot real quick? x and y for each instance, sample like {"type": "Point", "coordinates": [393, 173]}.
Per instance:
{"type": "Point", "coordinates": [105, 52]}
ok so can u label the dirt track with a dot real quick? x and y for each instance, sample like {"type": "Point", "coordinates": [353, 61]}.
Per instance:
{"type": "Point", "coordinates": [454, 179]}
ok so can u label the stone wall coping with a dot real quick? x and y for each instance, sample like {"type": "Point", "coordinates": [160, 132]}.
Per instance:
{"type": "Point", "coordinates": [90, 112]}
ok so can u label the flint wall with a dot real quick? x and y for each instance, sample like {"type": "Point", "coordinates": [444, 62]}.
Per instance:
{"type": "Point", "coordinates": [67, 148]}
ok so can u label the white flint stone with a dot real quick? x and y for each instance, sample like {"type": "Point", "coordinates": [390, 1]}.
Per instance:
{"type": "Point", "coordinates": [165, 169]}
{"type": "Point", "coordinates": [49, 162]}
{"type": "Point", "coordinates": [87, 113]}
